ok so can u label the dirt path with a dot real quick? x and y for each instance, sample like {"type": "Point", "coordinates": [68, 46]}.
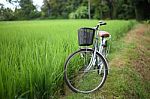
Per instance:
{"type": "Point", "coordinates": [135, 59]}
{"type": "Point", "coordinates": [140, 38]}
{"type": "Point", "coordinates": [129, 76]}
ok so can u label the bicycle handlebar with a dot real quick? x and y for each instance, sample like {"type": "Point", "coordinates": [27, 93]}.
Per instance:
{"type": "Point", "coordinates": [100, 23]}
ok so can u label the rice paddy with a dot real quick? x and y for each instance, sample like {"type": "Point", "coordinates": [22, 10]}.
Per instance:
{"type": "Point", "coordinates": [32, 54]}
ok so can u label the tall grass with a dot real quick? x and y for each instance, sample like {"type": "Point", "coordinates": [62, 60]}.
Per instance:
{"type": "Point", "coordinates": [32, 54]}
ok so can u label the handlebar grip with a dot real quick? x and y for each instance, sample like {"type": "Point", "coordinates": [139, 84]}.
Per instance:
{"type": "Point", "coordinates": [102, 23]}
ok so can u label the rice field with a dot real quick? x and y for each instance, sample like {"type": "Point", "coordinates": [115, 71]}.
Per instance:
{"type": "Point", "coordinates": [32, 54]}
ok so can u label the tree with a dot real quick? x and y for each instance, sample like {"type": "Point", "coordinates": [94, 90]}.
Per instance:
{"type": "Point", "coordinates": [142, 8]}
{"type": "Point", "coordinates": [27, 9]}
{"type": "Point", "coordinates": [80, 13]}
{"type": "Point", "coordinates": [46, 8]}
{"type": "Point", "coordinates": [2, 12]}
{"type": "Point", "coordinates": [99, 9]}
{"type": "Point", "coordinates": [102, 9]}
{"type": "Point", "coordinates": [6, 13]}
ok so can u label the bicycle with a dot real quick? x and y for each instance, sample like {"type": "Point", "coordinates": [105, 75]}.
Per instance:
{"type": "Point", "coordinates": [86, 69]}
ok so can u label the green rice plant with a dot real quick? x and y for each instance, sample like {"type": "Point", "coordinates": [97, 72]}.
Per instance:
{"type": "Point", "coordinates": [32, 54]}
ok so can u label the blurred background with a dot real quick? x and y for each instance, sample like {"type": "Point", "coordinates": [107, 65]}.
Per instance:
{"type": "Point", "coordinates": [74, 9]}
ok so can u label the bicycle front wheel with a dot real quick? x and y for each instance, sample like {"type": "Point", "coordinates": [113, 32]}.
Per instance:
{"type": "Point", "coordinates": [85, 71]}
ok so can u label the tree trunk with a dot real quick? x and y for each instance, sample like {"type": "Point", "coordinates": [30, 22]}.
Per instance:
{"type": "Point", "coordinates": [89, 9]}
{"type": "Point", "coordinates": [114, 10]}
{"type": "Point", "coordinates": [110, 9]}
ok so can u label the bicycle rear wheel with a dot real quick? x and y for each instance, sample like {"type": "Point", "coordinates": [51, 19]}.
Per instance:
{"type": "Point", "coordinates": [83, 72]}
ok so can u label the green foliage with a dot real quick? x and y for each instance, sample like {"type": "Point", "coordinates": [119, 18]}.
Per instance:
{"type": "Point", "coordinates": [32, 55]}
{"type": "Point", "coordinates": [72, 15]}
{"type": "Point", "coordinates": [6, 13]}
{"type": "Point", "coordinates": [28, 10]}
{"type": "Point", "coordinates": [80, 13]}
{"type": "Point", "coordinates": [45, 8]}
{"type": "Point", "coordinates": [74, 9]}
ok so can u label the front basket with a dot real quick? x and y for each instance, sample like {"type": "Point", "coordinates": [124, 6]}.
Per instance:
{"type": "Point", "coordinates": [85, 36]}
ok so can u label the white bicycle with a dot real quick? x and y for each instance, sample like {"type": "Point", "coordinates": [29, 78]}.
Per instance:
{"type": "Point", "coordinates": [86, 69]}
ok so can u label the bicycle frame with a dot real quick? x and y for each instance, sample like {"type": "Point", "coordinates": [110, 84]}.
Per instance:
{"type": "Point", "coordinates": [97, 48]}
{"type": "Point", "coordinates": [99, 43]}
{"type": "Point", "coordinates": [93, 58]}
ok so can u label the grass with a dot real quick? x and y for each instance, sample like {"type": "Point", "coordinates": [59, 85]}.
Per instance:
{"type": "Point", "coordinates": [129, 70]}
{"type": "Point", "coordinates": [32, 54]}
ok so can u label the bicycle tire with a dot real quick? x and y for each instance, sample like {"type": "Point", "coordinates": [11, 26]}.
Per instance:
{"type": "Point", "coordinates": [71, 74]}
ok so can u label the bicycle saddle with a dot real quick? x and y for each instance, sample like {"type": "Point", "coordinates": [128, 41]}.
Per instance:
{"type": "Point", "coordinates": [104, 34]}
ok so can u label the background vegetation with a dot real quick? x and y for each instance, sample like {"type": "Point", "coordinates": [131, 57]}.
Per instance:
{"type": "Point", "coordinates": [77, 9]}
